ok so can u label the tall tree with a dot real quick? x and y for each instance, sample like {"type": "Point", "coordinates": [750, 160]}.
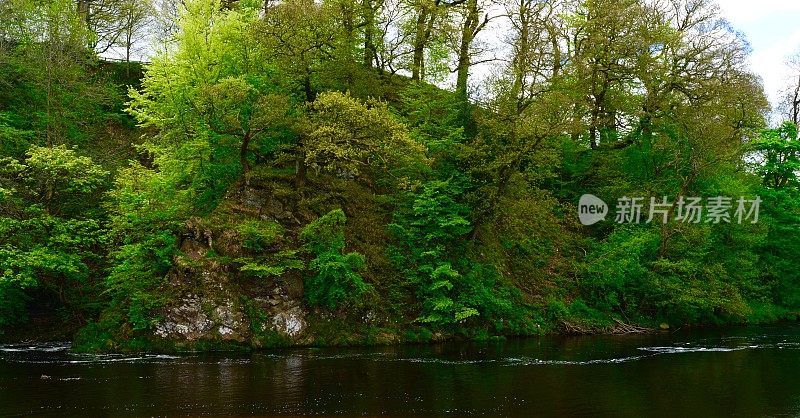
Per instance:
{"type": "Point", "coordinates": [206, 97]}
{"type": "Point", "coordinates": [299, 35]}
{"type": "Point", "coordinates": [136, 20]}
{"type": "Point", "coordinates": [474, 20]}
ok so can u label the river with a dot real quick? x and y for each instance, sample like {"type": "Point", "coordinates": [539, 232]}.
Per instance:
{"type": "Point", "coordinates": [730, 372]}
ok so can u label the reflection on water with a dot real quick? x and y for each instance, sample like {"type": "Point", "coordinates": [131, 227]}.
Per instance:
{"type": "Point", "coordinates": [747, 372]}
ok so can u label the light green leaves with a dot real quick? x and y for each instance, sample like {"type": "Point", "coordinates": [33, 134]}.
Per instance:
{"type": "Point", "coordinates": [348, 138]}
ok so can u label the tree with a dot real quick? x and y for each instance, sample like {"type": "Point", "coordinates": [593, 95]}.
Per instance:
{"type": "Point", "coordinates": [56, 83]}
{"type": "Point", "coordinates": [535, 38]}
{"type": "Point", "coordinates": [209, 98]}
{"type": "Point", "coordinates": [428, 27]}
{"type": "Point", "coordinates": [52, 235]}
{"type": "Point", "coordinates": [474, 20]}
{"type": "Point", "coordinates": [235, 107]}
{"type": "Point", "coordinates": [428, 232]}
{"type": "Point", "coordinates": [790, 105]}
{"type": "Point", "coordinates": [363, 141]}
{"type": "Point", "coordinates": [370, 10]}
{"type": "Point", "coordinates": [390, 41]}
{"type": "Point", "coordinates": [299, 35]}
{"type": "Point", "coordinates": [136, 20]}
{"type": "Point", "coordinates": [776, 156]}
{"type": "Point", "coordinates": [104, 22]}
{"type": "Point", "coordinates": [607, 39]}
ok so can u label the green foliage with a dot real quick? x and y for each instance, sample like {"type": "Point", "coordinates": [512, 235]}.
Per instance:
{"type": "Point", "coordinates": [450, 289]}
{"type": "Point", "coordinates": [13, 309]}
{"type": "Point", "coordinates": [576, 316]}
{"type": "Point", "coordinates": [685, 292]}
{"type": "Point", "coordinates": [49, 78]}
{"type": "Point", "coordinates": [777, 152]}
{"type": "Point", "coordinates": [62, 180]}
{"type": "Point", "coordinates": [618, 271]}
{"type": "Point", "coordinates": [259, 235]}
{"type": "Point", "coordinates": [336, 280]}
{"type": "Point", "coordinates": [777, 265]}
{"type": "Point", "coordinates": [145, 213]}
{"type": "Point", "coordinates": [13, 141]}
{"type": "Point", "coordinates": [48, 238]}
{"type": "Point", "coordinates": [351, 139]}
{"type": "Point", "coordinates": [251, 122]}
{"type": "Point", "coordinates": [426, 232]}
{"type": "Point", "coordinates": [434, 116]}
{"type": "Point", "coordinates": [273, 265]}
{"type": "Point", "coordinates": [101, 335]}
{"type": "Point", "coordinates": [210, 100]}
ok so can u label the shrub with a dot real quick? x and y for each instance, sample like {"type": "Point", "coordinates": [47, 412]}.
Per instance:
{"type": "Point", "coordinates": [336, 279]}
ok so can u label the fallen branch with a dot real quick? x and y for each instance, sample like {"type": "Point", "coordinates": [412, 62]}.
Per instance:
{"type": "Point", "coordinates": [624, 328]}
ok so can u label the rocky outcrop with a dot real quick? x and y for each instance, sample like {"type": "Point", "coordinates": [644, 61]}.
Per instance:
{"type": "Point", "coordinates": [290, 323]}
{"type": "Point", "coordinates": [198, 317]}
{"type": "Point", "coordinates": [212, 301]}
{"type": "Point", "coordinates": [187, 321]}
{"type": "Point", "coordinates": [285, 315]}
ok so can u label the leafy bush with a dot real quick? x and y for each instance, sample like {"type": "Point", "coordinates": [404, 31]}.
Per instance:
{"type": "Point", "coordinates": [49, 238]}
{"type": "Point", "coordinates": [430, 252]}
{"type": "Point", "coordinates": [258, 235]}
{"type": "Point", "coordinates": [336, 279]}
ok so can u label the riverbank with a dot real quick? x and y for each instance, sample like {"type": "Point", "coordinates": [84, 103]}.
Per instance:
{"type": "Point", "coordinates": [328, 331]}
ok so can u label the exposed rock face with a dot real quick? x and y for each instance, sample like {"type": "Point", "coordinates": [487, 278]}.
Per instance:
{"type": "Point", "coordinates": [213, 310]}
{"type": "Point", "coordinates": [212, 299]}
{"type": "Point", "coordinates": [196, 318]}
{"type": "Point", "coordinates": [189, 321]}
{"type": "Point", "coordinates": [290, 323]}
{"type": "Point", "coordinates": [285, 314]}
{"type": "Point", "coordinates": [186, 322]}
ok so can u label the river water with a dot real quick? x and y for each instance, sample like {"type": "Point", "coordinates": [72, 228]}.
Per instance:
{"type": "Point", "coordinates": [730, 372]}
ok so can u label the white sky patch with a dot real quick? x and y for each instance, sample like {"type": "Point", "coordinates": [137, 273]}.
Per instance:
{"type": "Point", "coordinates": [770, 64]}
{"type": "Point", "coordinates": [745, 11]}
{"type": "Point", "coordinates": [771, 27]}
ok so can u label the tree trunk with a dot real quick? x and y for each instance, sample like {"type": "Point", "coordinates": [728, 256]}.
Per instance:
{"type": "Point", "coordinates": [468, 32]}
{"type": "Point", "coordinates": [243, 153]}
{"type": "Point", "coordinates": [310, 96]}
{"type": "Point", "coordinates": [300, 172]}
{"type": "Point", "coordinates": [370, 51]}
{"type": "Point", "coordinates": [519, 62]}
{"type": "Point", "coordinates": [796, 103]}
{"type": "Point", "coordinates": [420, 41]}
{"type": "Point", "coordinates": [593, 128]}
{"type": "Point", "coordinates": [83, 12]}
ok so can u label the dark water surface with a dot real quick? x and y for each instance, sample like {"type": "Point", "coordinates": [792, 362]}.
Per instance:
{"type": "Point", "coordinates": [739, 372]}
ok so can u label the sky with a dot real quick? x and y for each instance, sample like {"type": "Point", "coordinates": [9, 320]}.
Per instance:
{"type": "Point", "coordinates": [773, 29]}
